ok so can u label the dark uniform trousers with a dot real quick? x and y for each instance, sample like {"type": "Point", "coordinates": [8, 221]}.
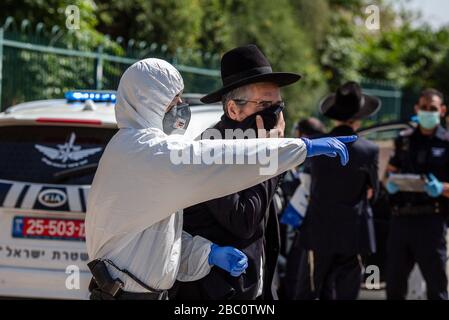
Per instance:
{"type": "Point", "coordinates": [418, 225]}
{"type": "Point", "coordinates": [420, 239]}
{"type": "Point", "coordinates": [338, 227]}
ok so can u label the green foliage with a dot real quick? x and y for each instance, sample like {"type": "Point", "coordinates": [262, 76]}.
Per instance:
{"type": "Point", "coordinates": [37, 75]}
{"type": "Point", "coordinates": [407, 56]}
{"type": "Point", "coordinates": [324, 40]}
{"type": "Point", "coordinates": [271, 26]}
{"type": "Point", "coordinates": [50, 12]}
{"type": "Point", "coordinates": [216, 29]}
{"type": "Point", "coordinates": [313, 17]}
{"type": "Point", "coordinates": [170, 22]}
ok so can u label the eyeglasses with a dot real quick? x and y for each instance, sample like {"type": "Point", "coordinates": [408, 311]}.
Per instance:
{"type": "Point", "coordinates": [262, 103]}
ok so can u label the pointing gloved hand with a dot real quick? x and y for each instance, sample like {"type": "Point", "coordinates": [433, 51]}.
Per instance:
{"type": "Point", "coordinates": [330, 147]}
{"type": "Point", "coordinates": [392, 188]}
{"type": "Point", "coordinates": [434, 188]}
{"type": "Point", "coordinates": [228, 258]}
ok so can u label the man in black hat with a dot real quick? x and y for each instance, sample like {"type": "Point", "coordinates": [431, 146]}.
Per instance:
{"type": "Point", "coordinates": [338, 225]}
{"type": "Point", "coordinates": [248, 219]}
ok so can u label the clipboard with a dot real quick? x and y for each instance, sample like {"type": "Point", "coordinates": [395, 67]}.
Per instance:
{"type": "Point", "coordinates": [409, 182]}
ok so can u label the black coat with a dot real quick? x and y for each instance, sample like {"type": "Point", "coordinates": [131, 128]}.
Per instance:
{"type": "Point", "coordinates": [339, 218]}
{"type": "Point", "coordinates": [246, 220]}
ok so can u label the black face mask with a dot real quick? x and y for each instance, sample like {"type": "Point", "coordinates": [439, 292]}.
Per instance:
{"type": "Point", "coordinates": [270, 117]}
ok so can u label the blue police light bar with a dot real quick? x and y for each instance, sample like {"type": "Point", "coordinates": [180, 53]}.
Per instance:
{"type": "Point", "coordinates": [95, 96]}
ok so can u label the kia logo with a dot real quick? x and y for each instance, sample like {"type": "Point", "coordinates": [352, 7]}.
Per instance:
{"type": "Point", "coordinates": [52, 198]}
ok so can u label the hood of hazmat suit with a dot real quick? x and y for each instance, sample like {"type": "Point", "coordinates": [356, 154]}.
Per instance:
{"type": "Point", "coordinates": [134, 212]}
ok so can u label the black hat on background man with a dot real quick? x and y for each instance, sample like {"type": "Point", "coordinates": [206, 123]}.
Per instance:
{"type": "Point", "coordinates": [349, 103]}
{"type": "Point", "coordinates": [245, 65]}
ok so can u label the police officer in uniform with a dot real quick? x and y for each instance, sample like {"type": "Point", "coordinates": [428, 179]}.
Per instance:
{"type": "Point", "coordinates": [418, 224]}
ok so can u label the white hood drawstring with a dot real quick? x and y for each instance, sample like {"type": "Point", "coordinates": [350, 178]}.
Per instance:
{"type": "Point", "coordinates": [134, 211]}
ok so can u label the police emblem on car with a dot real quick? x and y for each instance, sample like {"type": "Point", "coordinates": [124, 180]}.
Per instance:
{"type": "Point", "coordinates": [67, 155]}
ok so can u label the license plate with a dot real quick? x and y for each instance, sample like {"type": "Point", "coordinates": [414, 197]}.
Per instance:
{"type": "Point", "coordinates": [48, 228]}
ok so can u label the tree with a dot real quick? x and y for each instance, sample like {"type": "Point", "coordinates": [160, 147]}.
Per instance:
{"type": "Point", "coordinates": [314, 19]}
{"type": "Point", "coordinates": [345, 44]}
{"type": "Point", "coordinates": [163, 22]}
{"type": "Point", "coordinates": [32, 75]}
{"type": "Point", "coordinates": [324, 40]}
{"type": "Point", "coordinates": [271, 26]}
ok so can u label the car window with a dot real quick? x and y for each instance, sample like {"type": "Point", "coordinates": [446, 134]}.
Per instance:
{"type": "Point", "coordinates": [51, 154]}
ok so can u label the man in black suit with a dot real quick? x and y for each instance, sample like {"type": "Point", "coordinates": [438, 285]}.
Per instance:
{"type": "Point", "coordinates": [247, 219]}
{"type": "Point", "coordinates": [252, 105]}
{"type": "Point", "coordinates": [338, 227]}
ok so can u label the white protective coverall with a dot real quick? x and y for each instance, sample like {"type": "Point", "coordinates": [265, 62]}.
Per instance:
{"type": "Point", "coordinates": [134, 212]}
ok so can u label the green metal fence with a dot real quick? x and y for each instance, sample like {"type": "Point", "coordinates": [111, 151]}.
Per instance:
{"type": "Point", "coordinates": [34, 65]}
{"type": "Point", "coordinates": [390, 96]}
{"type": "Point", "coordinates": [38, 64]}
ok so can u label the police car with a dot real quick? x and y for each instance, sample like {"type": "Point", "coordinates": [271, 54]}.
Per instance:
{"type": "Point", "coordinates": [49, 152]}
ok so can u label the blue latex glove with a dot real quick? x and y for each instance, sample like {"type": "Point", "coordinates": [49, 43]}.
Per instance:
{"type": "Point", "coordinates": [330, 147]}
{"type": "Point", "coordinates": [392, 188]}
{"type": "Point", "coordinates": [434, 188]}
{"type": "Point", "coordinates": [228, 258]}
{"type": "Point", "coordinates": [291, 217]}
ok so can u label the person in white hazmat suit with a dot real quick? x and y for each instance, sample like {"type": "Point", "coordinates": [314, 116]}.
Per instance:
{"type": "Point", "coordinates": [134, 214]}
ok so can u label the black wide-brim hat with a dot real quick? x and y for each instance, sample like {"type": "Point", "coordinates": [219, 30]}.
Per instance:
{"type": "Point", "coordinates": [246, 65]}
{"type": "Point", "coordinates": [349, 103]}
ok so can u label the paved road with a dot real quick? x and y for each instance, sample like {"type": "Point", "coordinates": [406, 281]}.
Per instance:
{"type": "Point", "coordinates": [372, 295]}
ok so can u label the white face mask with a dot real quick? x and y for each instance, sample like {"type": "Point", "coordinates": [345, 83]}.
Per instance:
{"type": "Point", "coordinates": [429, 119]}
{"type": "Point", "coordinates": [177, 119]}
